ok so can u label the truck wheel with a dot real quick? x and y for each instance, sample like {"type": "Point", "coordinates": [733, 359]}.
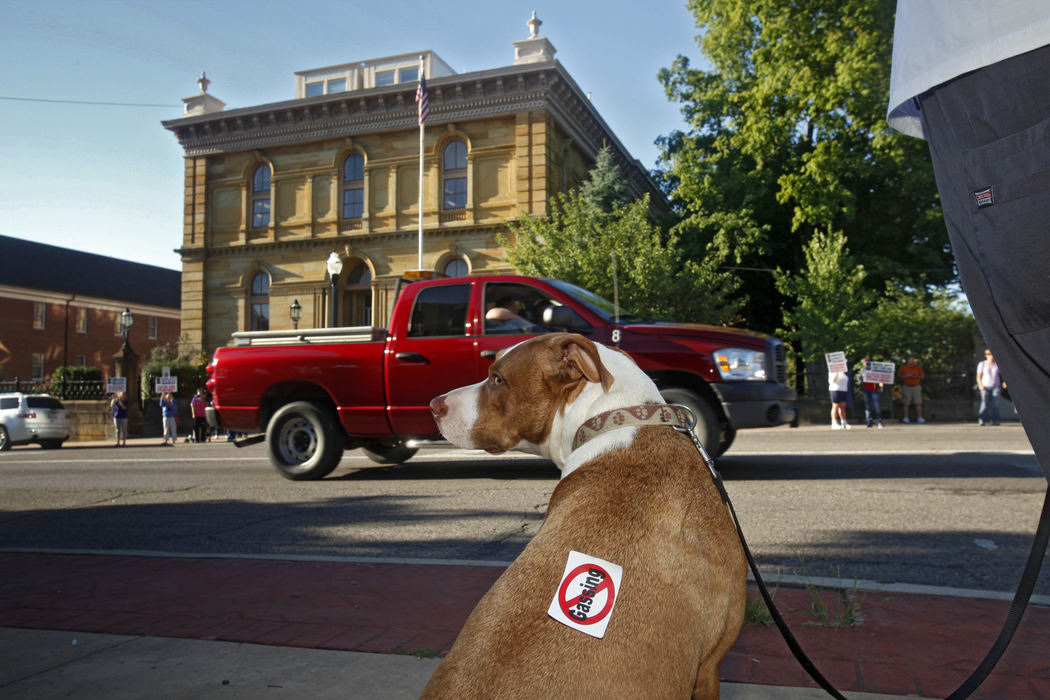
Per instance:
{"type": "Point", "coordinates": [50, 444]}
{"type": "Point", "coordinates": [5, 439]}
{"type": "Point", "coordinates": [389, 454]}
{"type": "Point", "coordinates": [707, 427]}
{"type": "Point", "coordinates": [304, 441]}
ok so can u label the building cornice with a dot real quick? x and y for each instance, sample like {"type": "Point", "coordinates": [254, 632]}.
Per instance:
{"type": "Point", "coordinates": [457, 98]}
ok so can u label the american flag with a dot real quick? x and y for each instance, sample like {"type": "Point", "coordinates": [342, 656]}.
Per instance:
{"type": "Point", "coordinates": [422, 99]}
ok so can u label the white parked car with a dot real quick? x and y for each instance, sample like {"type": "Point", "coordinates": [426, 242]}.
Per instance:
{"type": "Point", "coordinates": [26, 418]}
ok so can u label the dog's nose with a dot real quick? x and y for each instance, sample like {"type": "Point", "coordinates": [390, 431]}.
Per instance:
{"type": "Point", "coordinates": [438, 407]}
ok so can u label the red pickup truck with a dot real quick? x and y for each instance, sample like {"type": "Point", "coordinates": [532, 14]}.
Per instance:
{"type": "Point", "coordinates": [315, 393]}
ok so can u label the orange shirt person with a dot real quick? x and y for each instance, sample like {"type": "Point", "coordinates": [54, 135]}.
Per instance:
{"type": "Point", "coordinates": [911, 376]}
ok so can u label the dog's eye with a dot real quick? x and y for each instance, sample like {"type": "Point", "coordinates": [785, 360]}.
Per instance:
{"type": "Point", "coordinates": [496, 380]}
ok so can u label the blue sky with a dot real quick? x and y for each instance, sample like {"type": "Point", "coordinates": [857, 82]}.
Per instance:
{"type": "Point", "coordinates": [107, 179]}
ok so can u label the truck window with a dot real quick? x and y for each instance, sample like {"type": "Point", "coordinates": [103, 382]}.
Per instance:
{"type": "Point", "coordinates": [440, 311]}
{"type": "Point", "coordinates": [515, 309]}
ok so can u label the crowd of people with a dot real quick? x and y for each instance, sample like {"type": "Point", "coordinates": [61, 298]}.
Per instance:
{"type": "Point", "coordinates": [199, 431]}
{"type": "Point", "coordinates": [990, 385]}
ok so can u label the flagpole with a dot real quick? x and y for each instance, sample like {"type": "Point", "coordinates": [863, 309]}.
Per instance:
{"type": "Point", "coordinates": [421, 128]}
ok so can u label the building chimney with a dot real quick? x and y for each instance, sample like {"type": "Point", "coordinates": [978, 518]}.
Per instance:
{"type": "Point", "coordinates": [535, 49]}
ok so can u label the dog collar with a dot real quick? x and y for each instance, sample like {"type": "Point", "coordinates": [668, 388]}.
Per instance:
{"type": "Point", "coordinates": [645, 414]}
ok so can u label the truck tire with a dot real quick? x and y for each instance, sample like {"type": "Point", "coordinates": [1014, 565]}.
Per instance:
{"type": "Point", "coordinates": [389, 454]}
{"type": "Point", "coordinates": [305, 442]}
{"type": "Point", "coordinates": [707, 427]}
{"type": "Point", "coordinates": [51, 444]}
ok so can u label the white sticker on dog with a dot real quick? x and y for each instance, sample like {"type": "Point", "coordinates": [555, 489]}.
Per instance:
{"type": "Point", "coordinates": [587, 594]}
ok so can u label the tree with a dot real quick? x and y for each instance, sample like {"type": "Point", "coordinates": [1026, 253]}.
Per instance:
{"type": "Point", "coordinates": [786, 137]}
{"type": "Point", "coordinates": [604, 187]}
{"type": "Point", "coordinates": [580, 244]}
{"type": "Point", "coordinates": [831, 301]}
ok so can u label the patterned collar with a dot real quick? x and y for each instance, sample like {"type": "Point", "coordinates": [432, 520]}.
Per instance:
{"type": "Point", "coordinates": [645, 414]}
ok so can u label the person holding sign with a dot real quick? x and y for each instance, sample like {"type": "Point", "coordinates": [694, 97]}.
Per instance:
{"type": "Point", "coordinates": [167, 411]}
{"type": "Point", "coordinates": [119, 406]}
{"type": "Point", "coordinates": [870, 389]}
{"type": "Point", "coordinates": [838, 387]}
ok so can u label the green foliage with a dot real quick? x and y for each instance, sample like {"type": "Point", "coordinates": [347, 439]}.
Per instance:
{"type": "Point", "coordinates": [786, 137]}
{"type": "Point", "coordinates": [937, 329]}
{"type": "Point", "coordinates": [188, 366]}
{"type": "Point", "coordinates": [580, 244]}
{"type": "Point", "coordinates": [830, 300]}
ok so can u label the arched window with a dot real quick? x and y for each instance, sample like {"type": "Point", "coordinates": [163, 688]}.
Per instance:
{"type": "Point", "coordinates": [456, 267]}
{"type": "Point", "coordinates": [454, 176]}
{"type": "Point", "coordinates": [261, 197]}
{"type": "Point", "coordinates": [354, 186]}
{"type": "Point", "coordinates": [259, 303]}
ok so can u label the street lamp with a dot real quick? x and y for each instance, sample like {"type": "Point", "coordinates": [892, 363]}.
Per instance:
{"type": "Point", "coordinates": [335, 266]}
{"type": "Point", "coordinates": [296, 312]}
{"type": "Point", "coordinates": [126, 320]}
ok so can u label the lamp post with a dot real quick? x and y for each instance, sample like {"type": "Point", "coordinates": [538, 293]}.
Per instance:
{"type": "Point", "coordinates": [335, 266]}
{"type": "Point", "coordinates": [126, 365]}
{"type": "Point", "coordinates": [296, 312]}
{"type": "Point", "coordinates": [126, 320]}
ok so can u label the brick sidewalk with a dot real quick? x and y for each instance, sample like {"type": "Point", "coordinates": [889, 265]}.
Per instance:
{"type": "Point", "coordinates": [903, 643]}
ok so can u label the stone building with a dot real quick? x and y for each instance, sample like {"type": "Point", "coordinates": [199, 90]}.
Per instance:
{"type": "Point", "coordinates": [272, 191]}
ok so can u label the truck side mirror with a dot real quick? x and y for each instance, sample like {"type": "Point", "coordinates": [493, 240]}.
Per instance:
{"type": "Point", "coordinates": [565, 318]}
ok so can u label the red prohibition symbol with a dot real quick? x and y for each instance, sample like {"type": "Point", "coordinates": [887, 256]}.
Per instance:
{"type": "Point", "coordinates": [590, 591]}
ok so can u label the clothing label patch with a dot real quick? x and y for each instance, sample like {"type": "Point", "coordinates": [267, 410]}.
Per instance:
{"type": "Point", "coordinates": [587, 594]}
{"type": "Point", "coordinates": [984, 197]}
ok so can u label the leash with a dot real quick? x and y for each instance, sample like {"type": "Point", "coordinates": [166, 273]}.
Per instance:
{"type": "Point", "coordinates": [682, 419]}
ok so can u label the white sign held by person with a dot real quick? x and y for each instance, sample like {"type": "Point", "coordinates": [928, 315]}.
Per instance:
{"type": "Point", "coordinates": [167, 385]}
{"type": "Point", "coordinates": [878, 372]}
{"type": "Point", "coordinates": [115, 385]}
{"type": "Point", "coordinates": [836, 362]}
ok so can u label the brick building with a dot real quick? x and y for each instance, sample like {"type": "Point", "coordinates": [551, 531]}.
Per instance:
{"type": "Point", "coordinates": [62, 307]}
{"type": "Point", "coordinates": [271, 191]}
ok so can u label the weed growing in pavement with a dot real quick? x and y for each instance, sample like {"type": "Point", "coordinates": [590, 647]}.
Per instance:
{"type": "Point", "coordinates": [424, 653]}
{"type": "Point", "coordinates": [845, 608]}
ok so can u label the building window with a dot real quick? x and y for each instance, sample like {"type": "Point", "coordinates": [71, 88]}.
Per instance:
{"type": "Point", "coordinates": [38, 367]}
{"type": "Point", "coordinates": [117, 330]}
{"type": "Point", "coordinates": [81, 361]}
{"type": "Point", "coordinates": [354, 186]}
{"type": "Point", "coordinates": [384, 77]}
{"type": "Point", "coordinates": [261, 197]}
{"type": "Point", "coordinates": [409, 75]}
{"type": "Point", "coordinates": [457, 267]}
{"type": "Point", "coordinates": [259, 303]}
{"type": "Point", "coordinates": [81, 323]}
{"type": "Point", "coordinates": [337, 85]}
{"type": "Point", "coordinates": [454, 176]}
{"type": "Point", "coordinates": [38, 314]}
{"type": "Point", "coordinates": [152, 327]}
{"type": "Point", "coordinates": [314, 89]}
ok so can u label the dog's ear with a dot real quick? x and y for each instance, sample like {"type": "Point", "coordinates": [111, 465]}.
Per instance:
{"type": "Point", "coordinates": [579, 358]}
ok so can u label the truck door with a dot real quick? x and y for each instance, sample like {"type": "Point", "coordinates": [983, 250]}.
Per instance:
{"type": "Point", "coordinates": [436, 353]}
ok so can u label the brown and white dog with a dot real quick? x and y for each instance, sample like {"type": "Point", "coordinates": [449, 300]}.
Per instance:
{"type": "Point", "coordinates": [639, 498]}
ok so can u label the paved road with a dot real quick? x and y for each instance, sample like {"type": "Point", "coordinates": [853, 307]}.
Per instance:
{"type": "Point", "coordinates": [946, 505]}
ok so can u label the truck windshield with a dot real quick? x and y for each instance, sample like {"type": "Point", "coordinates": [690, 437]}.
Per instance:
{"type": "Point", "coordinates": [602, 307]}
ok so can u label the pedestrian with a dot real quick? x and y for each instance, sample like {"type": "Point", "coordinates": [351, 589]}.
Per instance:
{"type": "Point", "coordinates": [972, 79]}
{"type": "Point", "coordinates": [990, 383]}
{"type": "Point", "coordinates": [911, 375]}
{"type": "Point", "coordinates": [119, 405]}
{"type": "Point", "coordinates": [838, 389]}
{"type": "Point", "coordinates": [198, 405]}
{"type": "Point", "coordinates": [168, 413]}
{"type": "Point", "coordinates": [870, 390]}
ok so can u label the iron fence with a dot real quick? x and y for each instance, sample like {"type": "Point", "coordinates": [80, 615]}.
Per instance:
{"type": "Point", "coordinates": [68, 389]}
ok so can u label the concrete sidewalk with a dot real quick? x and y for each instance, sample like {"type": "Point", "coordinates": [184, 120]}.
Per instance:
{"type": "Point", "coordinates": [107, 625]}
